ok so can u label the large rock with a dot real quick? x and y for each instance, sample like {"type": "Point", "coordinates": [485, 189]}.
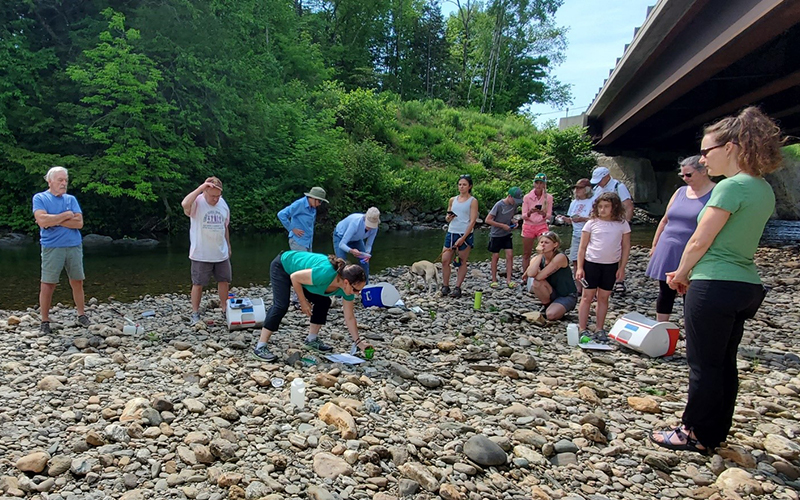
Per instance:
{"type": "Point", "coordinates": [483, 451]}
{"type": "Point", "coordinates": [96, 240]}
{"type": "Point", "coordinates": [636, 173]}
{"type": "Point", "coordinates": [786, 185]}
{"type": "Point", "coordinates": [34, 462]}
{"type": "Point", "coordinates": [330, 466]}
{"type": "Point", "coordinates": [334, 415]}
{"type": "Point", "coordinates": [781, 446]}
{"type": "Point", "coordinates": [739, 481]}
{"type": "Point", "coordinates": [421, 474]}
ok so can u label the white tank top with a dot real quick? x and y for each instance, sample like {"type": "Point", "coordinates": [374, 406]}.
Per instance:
{"type": "Point", "coordinates": [207, 231]}
{"type": "Point", "coordinates": [462, 209]}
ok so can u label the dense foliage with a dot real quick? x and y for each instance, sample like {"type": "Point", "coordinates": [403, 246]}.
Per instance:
{"type": "Point", "coordinates": [382, 102]}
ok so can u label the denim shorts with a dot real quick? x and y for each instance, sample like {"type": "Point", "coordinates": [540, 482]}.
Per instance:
{"type": "Point", "coordinates": [451, 239]}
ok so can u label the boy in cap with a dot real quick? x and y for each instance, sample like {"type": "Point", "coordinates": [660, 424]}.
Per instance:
{"type": "Point", "coordinates": [501, 219]}
{"type": "Point", "coordinates": [355, 234]}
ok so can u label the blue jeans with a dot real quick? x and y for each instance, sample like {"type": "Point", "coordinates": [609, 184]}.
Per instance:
{"type": "Point", "coordinates": [358, 245]}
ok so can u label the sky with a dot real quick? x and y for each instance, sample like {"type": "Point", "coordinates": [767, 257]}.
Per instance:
{"type": "Point", "coordinates": [597, 33]}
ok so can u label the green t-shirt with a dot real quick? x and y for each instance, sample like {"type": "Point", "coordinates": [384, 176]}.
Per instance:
{"type": "Point", "coordinates": [750, 201]}
{"type": "Point", "coordinates": [322, 271]}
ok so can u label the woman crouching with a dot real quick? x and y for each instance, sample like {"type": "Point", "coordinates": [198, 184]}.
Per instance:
{"type": "Point", "coordinates": [553, 283]}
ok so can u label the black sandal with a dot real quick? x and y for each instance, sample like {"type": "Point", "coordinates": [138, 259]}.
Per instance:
{"type": "Point", "coordinates": [691, 443]}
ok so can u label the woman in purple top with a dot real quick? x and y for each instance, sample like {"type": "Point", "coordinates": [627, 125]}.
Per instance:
{"type": "Point", "coordinates": [675, 229]}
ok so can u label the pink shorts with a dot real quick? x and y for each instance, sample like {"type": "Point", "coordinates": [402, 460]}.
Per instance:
{"type": "Point", "coordinates": [532, 231]}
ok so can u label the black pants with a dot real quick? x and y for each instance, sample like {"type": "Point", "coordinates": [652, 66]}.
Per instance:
{"type": "Point", "coordinates": [666, 298]}
{"type": "Point", "coordinates": [281, 286]}
{"type": "Point", "coordinates": [714, 313]}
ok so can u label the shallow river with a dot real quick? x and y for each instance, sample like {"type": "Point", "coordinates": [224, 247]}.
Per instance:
{"type": "Point", "coordinates": [126, 274]}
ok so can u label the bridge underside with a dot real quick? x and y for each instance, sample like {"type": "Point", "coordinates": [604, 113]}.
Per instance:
{"type": "Point", "coordinates": [694, 62]}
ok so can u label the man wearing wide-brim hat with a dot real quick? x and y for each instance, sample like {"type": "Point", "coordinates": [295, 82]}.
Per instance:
{"type": "Point", "coordinates": [355, 235]}
{"type": "Point", "coordinates": [299, 219]}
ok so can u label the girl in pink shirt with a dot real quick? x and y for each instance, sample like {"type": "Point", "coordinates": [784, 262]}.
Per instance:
{"type": "Point", "coordinates": [602, 257]}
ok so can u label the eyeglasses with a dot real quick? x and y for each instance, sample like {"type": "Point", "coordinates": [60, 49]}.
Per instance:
{"type": "Point", "coordinates": [685, 176]}
{"type": "Point", "coordinates": [357, 290]}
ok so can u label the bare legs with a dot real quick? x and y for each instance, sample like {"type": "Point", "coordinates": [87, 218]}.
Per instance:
{"type": "Point", "coordinates": [46, 297]}
{"type": "Point", "coordinates": [527, 250]}
{"type": "Point", "coordinates": [587, 297]}
{"type": "Point", "coordinates": [197, 293]}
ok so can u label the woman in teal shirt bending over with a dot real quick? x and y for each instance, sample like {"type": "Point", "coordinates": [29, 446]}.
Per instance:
{"type": "Point", "coordinates": [315, 278]}
{"type": "Point", "coordinates": [724, 288]}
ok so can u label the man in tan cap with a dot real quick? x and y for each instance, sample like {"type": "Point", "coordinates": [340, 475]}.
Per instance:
{"type": "Point", "coordinates": [210, 241]}
{"type": "Point", "coordinates": [299, 218]}
{"type": "Point", "coordinates": [355, 234]}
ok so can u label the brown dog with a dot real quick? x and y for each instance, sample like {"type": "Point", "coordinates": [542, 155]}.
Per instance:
{"type": "Point", "coordinates": [428, 271]}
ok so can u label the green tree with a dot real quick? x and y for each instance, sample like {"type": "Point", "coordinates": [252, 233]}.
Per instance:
{"type": "Point", "coordinates": [134, 148]}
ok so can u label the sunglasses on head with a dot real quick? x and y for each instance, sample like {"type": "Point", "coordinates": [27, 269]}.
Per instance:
{"type": "Point", "coordinates": [465, 176]}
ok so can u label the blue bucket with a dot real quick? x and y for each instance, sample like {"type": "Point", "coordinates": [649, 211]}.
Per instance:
{"type": "Point", "coordinates": [379, 295]}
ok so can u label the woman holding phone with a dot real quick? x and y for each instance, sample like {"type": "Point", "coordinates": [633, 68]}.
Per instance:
{"type": "Point", "coordinates": [537, 209]}
{"type": "Point", "coordinates": [462, 213]}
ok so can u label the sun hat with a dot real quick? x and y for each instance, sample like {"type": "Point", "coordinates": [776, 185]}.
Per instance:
{"type": "Point", "coordinates": [373, 218]}
{"type": "Point", "coordinates": [598, 174]}
{"type": "Point", "coordinates": [317, 193]}
{"type": "Point", "coordinates": [582, 183]}
{"type": "Point", "coordinates": [540, 177]}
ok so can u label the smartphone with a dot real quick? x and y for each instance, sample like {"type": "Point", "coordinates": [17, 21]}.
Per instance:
{"type": "Point", "coordinates": [538, 207]}
{"type": "Point", "coordinates": [584, 283]}
{"type": "Point", "coordinates": [451, 213]}
{"type": "Point", "coordinates": [512, 225]}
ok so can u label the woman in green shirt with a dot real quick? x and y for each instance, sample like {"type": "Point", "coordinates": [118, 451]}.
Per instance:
{"type": "Point", "coordinates": [718, 275]}
{"type": "Point", "coordinates": [315, 278]}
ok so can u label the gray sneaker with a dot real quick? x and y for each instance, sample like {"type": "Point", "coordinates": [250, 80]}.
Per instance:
{"type": "Point", "coordinates": [445, 291]}
{"type": "Point", "coordinates": [318, 345]}
{"type": "Point", "coordinates": [456, 292]}
{"type": "Point", "coordinates": [600, 336]}
{"type": "Point", "coordinates": [83, 320]}
{"type": "Point", "coordinates": [195, 318]}
{"type": "Point", "coordinates": [45, 328]}
{"type": "Point", "coordinates": [264, 354]}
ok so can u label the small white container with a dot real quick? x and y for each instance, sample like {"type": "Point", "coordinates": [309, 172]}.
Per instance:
{"type": "Point", "coordinates": [133, 330]}
{"type": "Point", "coordinates": [297, 393]}
{"type": "Point", "coordinates": [572, 334]}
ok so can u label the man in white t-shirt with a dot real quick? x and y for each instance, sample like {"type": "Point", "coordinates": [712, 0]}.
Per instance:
{"type": "Point", "coordinates": [604, 183]}
{"type": "Point", "coordinates": [210, 243]}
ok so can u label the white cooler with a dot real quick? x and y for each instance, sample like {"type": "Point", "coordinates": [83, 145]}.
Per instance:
{"type": "Point", "coordinates": [640, 333]}
{"type": "Point", "coordinates": [239, 318]}
{"type": "Point", "coordinates": [379, 295]}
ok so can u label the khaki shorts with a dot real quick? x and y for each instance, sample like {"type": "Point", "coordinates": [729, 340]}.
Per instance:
{"type": "Point", "coordinates": [56, 259]}
{"type": "Point", "coordinates": [202, 271]}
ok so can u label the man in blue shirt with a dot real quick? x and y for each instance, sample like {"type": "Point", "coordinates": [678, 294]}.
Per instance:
{"type": "Point", "coordinates": [355, 234]}
{"type": "Point", "coordinates": [299, 217]}
{"type": "Point", "coordinates": [60, 218]}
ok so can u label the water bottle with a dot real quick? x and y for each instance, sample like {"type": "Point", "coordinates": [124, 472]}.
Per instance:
{"type": "Point", "coordinates": [572, 334]}
{"type": "Point", "coordinates": [457, 261]}
{"type": "Point", "coordinates": [477, 304]}
{"type": "Point", "coordinates": [297, 393]}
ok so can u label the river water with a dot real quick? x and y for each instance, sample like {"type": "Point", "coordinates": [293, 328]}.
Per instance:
{"type": "Point", "coordinates": [127, 274]}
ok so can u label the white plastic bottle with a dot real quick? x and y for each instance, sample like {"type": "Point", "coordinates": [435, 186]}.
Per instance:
{"type": "Point", "coordinates": [297, 393]}
{"type": "Point", "coordinates": [572, 334]}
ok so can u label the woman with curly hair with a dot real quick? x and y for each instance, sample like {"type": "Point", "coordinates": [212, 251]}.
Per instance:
{"type": "Point", "coordinates": [718, 275]}
{"type": "Point", "coordinates": [602, 257]}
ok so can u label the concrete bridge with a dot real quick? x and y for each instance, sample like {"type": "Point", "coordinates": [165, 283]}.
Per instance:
{"type": "Point", "coordinates": [691, 62]}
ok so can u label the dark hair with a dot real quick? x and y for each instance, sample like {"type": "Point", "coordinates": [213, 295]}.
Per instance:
{"type": "Point", "coordinates": [353, 273]}
{"type": "Point", "coordinates": [758, 136]}
{"type": "Point", "coordinates": [467, 178]}
{"type": "Point", "coordinates": [617, 212]}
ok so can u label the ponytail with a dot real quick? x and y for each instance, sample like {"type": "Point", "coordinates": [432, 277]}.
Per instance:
{"type": "Point", "coordinates": [758, 137]}
{"type": "Point", "coordinates": [353, 273]}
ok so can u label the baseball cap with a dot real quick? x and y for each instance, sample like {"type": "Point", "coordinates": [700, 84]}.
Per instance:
{"type": "Point", "coordinates": [598, 174]}
{"type": "Point", "coordinates": [515, 193]}
{"type": "Point", "coordinates": [373, 218]}
{"type": "Point", "coordinates": [318, 193]}
{"type": "Point", "coordinates": [540, 177]}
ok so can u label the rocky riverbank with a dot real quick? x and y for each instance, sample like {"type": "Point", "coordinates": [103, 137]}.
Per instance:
{"type": "Point", "coordinates": [457, 404]}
